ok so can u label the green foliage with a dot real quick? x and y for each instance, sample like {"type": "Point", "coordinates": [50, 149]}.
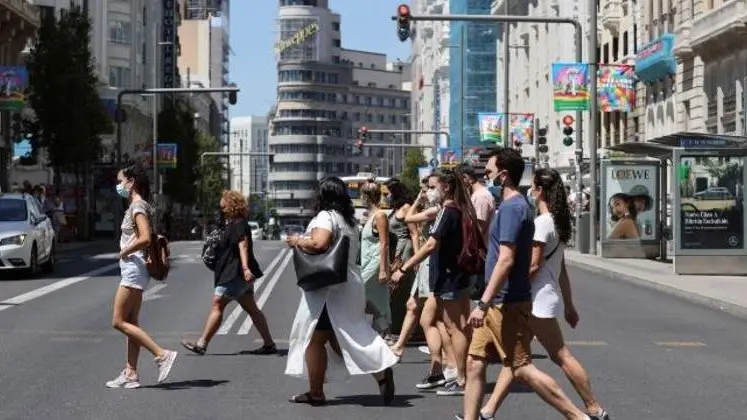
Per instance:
{"type": "Point", "coordinates": [176, 125]}
{"type": "Point", "coordinates": [260, 207]}
{"type": "Point", "coordinates": [63, 93]}
{"type": "Point", "coordinates": [414, 159]}
{"type": "Point", "coordinates": [210, 183]}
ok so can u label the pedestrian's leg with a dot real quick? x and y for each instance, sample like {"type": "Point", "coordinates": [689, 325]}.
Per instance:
{"type": "Point", "coordinates": [455, 313]}
{"type": "Point", "coordinates": [408, 325]}
{"type": "Point", "coordinates": [258, 318]}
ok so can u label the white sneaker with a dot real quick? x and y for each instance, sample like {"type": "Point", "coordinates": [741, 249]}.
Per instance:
{"type": "Point", "coordinates": [165, 363]}
{"type": "Point", "coordinates": [124, 382]}
{"type": "Point", "coordinates": [450, 374]}
{"type": "Point", "coordinates": [424, 350]}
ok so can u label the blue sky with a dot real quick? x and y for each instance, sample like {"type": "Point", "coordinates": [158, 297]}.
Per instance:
{"type": "Point", "coordinates": [366, 25]}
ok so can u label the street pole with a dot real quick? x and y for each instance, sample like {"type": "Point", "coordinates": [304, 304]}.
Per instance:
{"type": "Point", "coordinates": [463, 80]}
{"type": "Point", "coordinates": [578, 43]}
{"type": "Point", "coordinates": [412, 146]}
{"type": "Point", "coordinates": [593, 118]}
{"type": "Point", "coordinates": [155, 108]}
{"type": "Point", "coordinates": [506, 70]}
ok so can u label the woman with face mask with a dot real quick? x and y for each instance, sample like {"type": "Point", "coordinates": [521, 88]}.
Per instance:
{"type": "Point", "coordinates": [236, 270]}
{"type": "Point", "coordinates": [134, 186]}
{"type": "Point", "coordinates": [375, 258]}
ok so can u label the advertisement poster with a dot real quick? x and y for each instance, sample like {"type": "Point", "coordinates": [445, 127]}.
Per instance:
{"type": "Point", "coordinates": [630, 194]}
{"type": "Point", "coordinates": [449, 157]}
{"type": "Point", "coordinates": [616, 88]}
{"type": "Point", "coordinates": [711, 203]}
{"type": "Point", "coordinates": [166, 155]}
{"type": "Point", "coordinates": [13, 83]}
{"type": "Point", "coordinates": [570, 86]}
{"type": "Point", "coordinates": [522, 128]}
{"type": "Point", "coordinates": [472, 155]}
{"type": "Point", "coordinates": [491, 124]}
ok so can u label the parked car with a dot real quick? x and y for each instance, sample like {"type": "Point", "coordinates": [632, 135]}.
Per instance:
{"type": "Point", "coordinates": [714, 193]}
{"type": "Point", "coordinates": [256, 230]}
{"type": "Point", "coordinates": [27, 239]}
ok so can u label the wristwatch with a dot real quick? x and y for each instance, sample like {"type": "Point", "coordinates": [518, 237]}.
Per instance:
{"type": "Point", "coordinates": [483, 306]}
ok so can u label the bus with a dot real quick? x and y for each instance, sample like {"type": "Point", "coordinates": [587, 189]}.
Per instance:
{"type": "Point", "coordinates": [354, 184]}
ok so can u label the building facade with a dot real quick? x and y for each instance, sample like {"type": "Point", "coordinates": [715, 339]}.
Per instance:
{"type": "Point", "coordinates": [249, 174]}
{"type": "Point", "coordinates": [325, 94]}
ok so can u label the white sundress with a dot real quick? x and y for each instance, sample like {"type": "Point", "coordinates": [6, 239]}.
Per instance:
{"type": "Point", "coordinates": [363, 350]}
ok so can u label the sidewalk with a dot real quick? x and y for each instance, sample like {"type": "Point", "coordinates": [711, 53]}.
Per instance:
{"type": "Point", "coordinates": [725, 293]}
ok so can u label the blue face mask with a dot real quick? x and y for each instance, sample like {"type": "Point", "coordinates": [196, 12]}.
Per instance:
{"type": "Point", "coordinates": [496, 189]}
{"type": "Point", "coordinates": [122, 191]}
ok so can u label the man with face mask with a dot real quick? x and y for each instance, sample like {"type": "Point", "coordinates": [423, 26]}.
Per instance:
{"type": "Point", "coordinates": [482, 199]}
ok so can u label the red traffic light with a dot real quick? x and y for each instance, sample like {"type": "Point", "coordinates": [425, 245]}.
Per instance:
{"type": "Point", "coordinates": [568, 120]}
{"type": "Point", "coordinates": [363, 129]}
{"type": "Point", "coordinates": [403, 10]}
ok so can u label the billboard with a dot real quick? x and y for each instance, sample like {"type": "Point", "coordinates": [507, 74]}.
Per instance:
{"type": "Point", "coordinates": [630, 205]}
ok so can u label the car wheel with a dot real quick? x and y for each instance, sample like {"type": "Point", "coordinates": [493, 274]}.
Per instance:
{"type": "Point", "coordinates": [49, 264]}
{"type": "Point", "coordinates": [33, 267]}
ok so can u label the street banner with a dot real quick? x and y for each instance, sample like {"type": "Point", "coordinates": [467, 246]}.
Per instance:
{"type": "Point", "coordinates": [13, 83]}
{"type": "Point", "coordinates": [472, 155]}
{"type": "Point", "coordinates": [522, 128]}
{"type": "Point", "coordinates": [166, 154]}
{"type": "Point", "coordinates": [570, 86]}
{"type": "Point", "coordinates": [449, 157]}
{"type": "Point", "coordinates": [491, 124]}
{"type": "Point", "coordinates": [616, 88]}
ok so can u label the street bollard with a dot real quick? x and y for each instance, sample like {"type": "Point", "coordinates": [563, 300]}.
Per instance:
{"type": "Point", "coordinates": [582, 233]}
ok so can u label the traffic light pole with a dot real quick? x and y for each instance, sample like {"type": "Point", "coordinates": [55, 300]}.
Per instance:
{"type": "Point", "coordinates": [581, 228]}
{"type": "Point", "coordinates": [435, 145]}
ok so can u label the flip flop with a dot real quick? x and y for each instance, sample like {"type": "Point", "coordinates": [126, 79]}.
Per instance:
{"type": "Point", "coordinates": [306, 398]}
{"type": "Point", "coordinates": [194, 348]}
{"type": "Point", "coordinates": [386, 386]}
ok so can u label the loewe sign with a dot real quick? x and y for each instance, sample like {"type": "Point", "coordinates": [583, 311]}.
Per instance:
{"type": "Point", "coordinates": [297, 38]}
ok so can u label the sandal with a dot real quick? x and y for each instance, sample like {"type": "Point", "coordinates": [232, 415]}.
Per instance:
{"type": "Point", "coordinates": [307, 398]}
{"type": "Point", "coordinates": [194, 348]}
{"type": "Point", "coordinates": [265, 350]}
{"type": "Point", "coordinates": [386, 386]}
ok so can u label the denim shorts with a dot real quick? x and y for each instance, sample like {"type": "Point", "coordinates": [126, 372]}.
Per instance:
{"type": "Point", "coordinates": [134, 272]}
{"type": "Point", "coordinates": [234, 289]}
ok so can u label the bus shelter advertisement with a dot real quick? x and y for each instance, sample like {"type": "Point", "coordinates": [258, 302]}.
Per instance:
{"type": "Point", "coordinates": [711, 202]}
{"type": "Point", "coordinates": [630, 204]}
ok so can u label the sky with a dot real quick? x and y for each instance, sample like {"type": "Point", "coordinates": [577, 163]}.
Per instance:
{"type": "Point", "coordinates": [366, 25]}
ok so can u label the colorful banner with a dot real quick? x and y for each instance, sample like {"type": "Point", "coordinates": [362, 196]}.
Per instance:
{"type": "Point", "coordinates": [491, 124]}
{"type": "Point", "coordinates": [13, 83]}
{"type": "Point", "coordinates": [521, 127]}
{"type": "Point", "coordinates": [570, 86]}
{"type": "Point", "coordinates": [166, 154]}
{"type": "Point", "coordinates": [472, 155]}
{"type": "Point", "coordinates": [449, 157]}
{"type": "Point", "coordinates": [616, 88]}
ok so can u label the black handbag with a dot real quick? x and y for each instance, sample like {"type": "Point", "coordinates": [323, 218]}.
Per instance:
{"type": "Point", "coordinates": [317, 271]}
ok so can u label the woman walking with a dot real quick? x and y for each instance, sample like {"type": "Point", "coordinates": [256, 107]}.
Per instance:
{"type": "Point", "coordinates": [375, 258]}
{"type": "Point", "coordinates": [137, 225]}
{"type": "Point", "coordinates": [335, 314]}
{"type": "Point", "coordinates": [236, 270]}
{"type": "Point", "coordinates": [552, 231]}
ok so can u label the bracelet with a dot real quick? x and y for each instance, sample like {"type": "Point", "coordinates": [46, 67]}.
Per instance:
{"type": "Point", "coordinates": [401, 270]}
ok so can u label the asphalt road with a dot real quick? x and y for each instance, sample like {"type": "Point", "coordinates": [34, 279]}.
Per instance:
{"type": "Point", "coordinates": [650, 356]}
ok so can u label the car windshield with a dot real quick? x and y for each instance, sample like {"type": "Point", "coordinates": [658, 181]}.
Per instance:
{"type": "Point", "coordinates": [13, 210]}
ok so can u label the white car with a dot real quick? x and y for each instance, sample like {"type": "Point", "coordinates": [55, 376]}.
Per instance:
{"type": "Point", "coordinates": [27, 239]}
{"type": "Point", "coordinates": [291, 230]}
{"type": "Point", "coordinates": [256, 230]}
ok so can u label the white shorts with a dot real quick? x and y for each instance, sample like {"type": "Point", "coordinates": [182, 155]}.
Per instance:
{"type": "Point", "coordinates": [134, 273]}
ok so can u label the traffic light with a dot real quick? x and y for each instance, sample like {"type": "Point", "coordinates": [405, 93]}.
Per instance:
{"type": "Point", "coordinates": [232, 95]}
{"type": "Point", "coordinates": [403, 22]}
{"type": "Point", "coordinates": [542, 140]}
{"type": "Point", "coordinates": [568, 130]}
{"type": "Point", "coordinates": [363, 137]}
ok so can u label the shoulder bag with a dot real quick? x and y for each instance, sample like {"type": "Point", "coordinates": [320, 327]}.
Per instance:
{"type": "Point", "coordinates": [317, 271]}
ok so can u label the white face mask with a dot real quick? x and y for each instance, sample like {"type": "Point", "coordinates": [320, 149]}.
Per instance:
{"type": "Point", "coordinates": [434, 196]}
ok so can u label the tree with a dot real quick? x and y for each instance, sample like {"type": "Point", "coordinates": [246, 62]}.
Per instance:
{"type": "Point", "coordinates": [210, 184]}
{"type": "Point", "coordinates": [261, 208]}
{"type": "Point", "coordinates": [414, 159]}
{"type": "Point", "coordinates": [176, 125]}
{"type": "Point", "coordinates": [70, 118]}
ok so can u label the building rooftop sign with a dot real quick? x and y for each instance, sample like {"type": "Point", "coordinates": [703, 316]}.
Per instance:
{"type": "Point", "coordinates": [297, 38]}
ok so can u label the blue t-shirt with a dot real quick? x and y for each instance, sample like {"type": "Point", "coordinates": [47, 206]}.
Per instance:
{"type": "Point", "coordinates": [513, 223]}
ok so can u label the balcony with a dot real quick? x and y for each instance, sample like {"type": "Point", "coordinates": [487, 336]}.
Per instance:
{"type": "Point", "coordinates": [611, 16]}
{"type": "Point", "coordinates": [28, 14]}
{"type": "Point", "coordinates": [682, 44]}
{"type": "Point", "coordinates": [721, 30]}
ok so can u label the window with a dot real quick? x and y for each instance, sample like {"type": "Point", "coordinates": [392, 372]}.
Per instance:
{"type": "Point", "coordinates": [120, 32]}
{"type": "Point", "coordinates": [311, 3]}
{"type": "Point", "coordinates": [336, 43]}
{"type": "Point", "coordinates": [336, 26]}
{"type": "Point", "coordinates": [120, 77]}
{"type": "Point", "coordinates": [298, 40]}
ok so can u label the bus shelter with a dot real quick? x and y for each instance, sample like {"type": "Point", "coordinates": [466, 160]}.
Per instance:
{"type": "Point", "coordinates": [704, 175]}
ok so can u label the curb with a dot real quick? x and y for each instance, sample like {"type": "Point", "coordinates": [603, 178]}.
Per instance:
{"type": "Point", "coordinates": [705, 301]}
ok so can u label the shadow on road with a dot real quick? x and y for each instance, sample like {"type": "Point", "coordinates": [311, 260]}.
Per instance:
{"type": "Point", "coordinates": [280, 353]}
{"type": "Point", "coordinates": [373, 400]}
{"type": "Point", "coordinates": [194, 383]}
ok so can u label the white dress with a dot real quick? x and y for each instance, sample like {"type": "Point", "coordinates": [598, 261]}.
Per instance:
{"type": "Point", "coordinates": [363, 350]}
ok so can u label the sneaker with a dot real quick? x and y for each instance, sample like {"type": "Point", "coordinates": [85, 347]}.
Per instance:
{"type": "Point", "coordinates": [601, 415]}
{"type": "Point", "coordinates": [450, 374]}
{"type": "Point", "coordinates": [480, 417]}
{"type": "Point", "coordinates": [424, 350]}
{"type": "Point", "coordinates": [451, 389]}
{"type": "Point", "coordinates": [165, 363]}
{"type": "Point", "coordinates": [124, 382]}
{"type": "Point", "coordinates": [431, 381]}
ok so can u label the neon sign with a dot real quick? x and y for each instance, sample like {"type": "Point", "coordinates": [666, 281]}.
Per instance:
{"type": "Point", "coordinates": [297, 38]}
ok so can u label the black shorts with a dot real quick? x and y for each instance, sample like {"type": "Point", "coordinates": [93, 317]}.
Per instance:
{"type": "Point", "coordinates": [324, 324]}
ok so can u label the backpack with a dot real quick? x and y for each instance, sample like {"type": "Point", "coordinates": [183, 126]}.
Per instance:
{"type": "Point", "coordinates": [471, 258]}
{"type": "Point", "coordinates": [210, 248]}
{"type": "Point", "coordinates": [157, 257]}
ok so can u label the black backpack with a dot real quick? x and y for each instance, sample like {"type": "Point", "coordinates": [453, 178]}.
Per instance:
{"type": "Point", "coordinates": [210, 248]}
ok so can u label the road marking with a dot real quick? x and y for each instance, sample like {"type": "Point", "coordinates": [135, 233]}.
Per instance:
{"type": "Point", "coordinates": [37, 293]}
{"type": "Point", "coordinates": [109, 256]}
{"type": "Point", "coordinates": [152, 293]}
{"type": "Point", "coordinates": [238, 310]}
{"type": "Point", "coordinates": [244, 330]}
{"type": "Point", "coordinates": [587, 343]}
{"type": "Point", "coordinates": [692, 344]}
